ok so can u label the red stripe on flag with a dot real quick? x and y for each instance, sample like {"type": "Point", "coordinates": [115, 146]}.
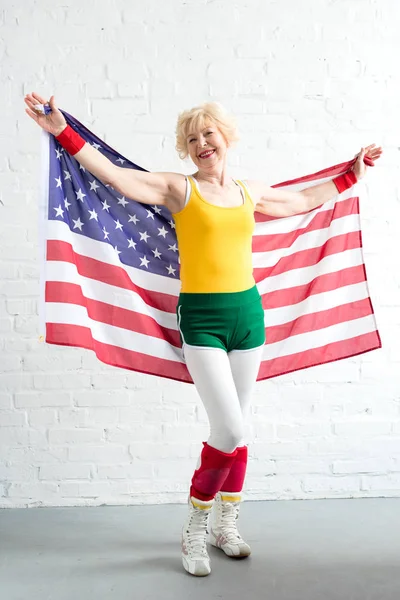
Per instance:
{"type": "Point", "coordinates": [106, 273]}
{"type": "Point", "coordinates": [317, 356]}
{"type": "Point", "coordinates": [323, 283]}
{"type": "Point", "coordinates": [322, 220]}
{"type": "Point", "coordinates": [70, 293]}
{"type": "Point", "coordinates": [307, 258]}
{"type": "Point", "coordinates": [318, 320]}
{"type": "Point", "coordinates": [81, 337]}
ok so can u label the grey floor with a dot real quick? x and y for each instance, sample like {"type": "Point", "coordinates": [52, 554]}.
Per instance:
{"type": "Point", "coordinates": [320, 549]}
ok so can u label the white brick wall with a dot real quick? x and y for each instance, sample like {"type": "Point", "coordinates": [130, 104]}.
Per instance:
{"type": "Point", "coordinates": [310, 82]}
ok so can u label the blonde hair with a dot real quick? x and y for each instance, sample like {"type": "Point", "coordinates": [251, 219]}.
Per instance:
{"type": "Point", "coordinates": [196, 118]}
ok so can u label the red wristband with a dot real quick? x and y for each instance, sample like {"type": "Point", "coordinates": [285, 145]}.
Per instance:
{"type": "Point", "coordinates": [70, 140]}
{"type": "Point", "coordinates": [345, 181]}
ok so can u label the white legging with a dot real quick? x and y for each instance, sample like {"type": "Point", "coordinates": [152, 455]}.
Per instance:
{"type": "Point", "coordinates": [225, 383]}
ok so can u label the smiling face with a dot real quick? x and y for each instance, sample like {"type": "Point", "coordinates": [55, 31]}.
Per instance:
{"type": "Point", "coordinates": [206, 146]}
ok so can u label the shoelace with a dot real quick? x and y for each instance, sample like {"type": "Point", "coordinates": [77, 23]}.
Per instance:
{"type": "Point", "coordinates": [197, 538]}
{"type": "Point", "coordinates": [229, 515]}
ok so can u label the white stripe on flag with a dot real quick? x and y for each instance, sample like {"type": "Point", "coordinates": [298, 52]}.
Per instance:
{"type": "Point", "coordinates": [104, 252]}
{"type": "Point", "coordinates": [105, 292]}
{"type": "Point", "coordinates": [72, 314]}
{"type": "Point", "coordinates": [307, 241]}
{"type": "Point", "coordinates": [316, 303]}
{"type": "Point", "coordinates": [321, 337]}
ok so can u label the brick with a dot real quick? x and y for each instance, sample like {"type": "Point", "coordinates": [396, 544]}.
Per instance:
{"type": "Point", "coordinates": [10, 382]}
{"type": "Point", "coordinates": [27, 324]}
{"type": "Point", "coordinates": [362, 429]}
{"type": "Point", "coordinates": [109, 381]}
{"type": "Point", "coordinates": [135, 470]}
{"type": "Point", "coordinates": [60, 472]}
{"type": "Point", "coordinates": [10, 363]}
{"type": "Point", "coordinates": [35, 456]}
{"type": "Point", "coordinates": [41, 417]}
{"type": "Point", "coordinates": [300, 430]}
{"type": "Point", "coordinates": [22, 307]}
{"type": "Point", "coordinates": [381, 483]}
{"type": "Point", "coordinates": [42, 399]}
{"type": "Point", "coordinates": [6, 325]}
{"type": "Point", "coordinates": [93, 489]}
{"type": "Point", "coordinates": [37, 492]}
{"type": "Point", "coordinates": [303, 466]}
{"type": "Point", "coordinates": [12, 418]}
{"type": "Point", "coordinates": [75, 436]}
{"type": "Point", "coordinates": [334, 485]}
{"type": "Point", "coordinates": [105, 454]}
{"type": "Point", "coordinates": [8, 270]}
{"type": "Point", "coordinates": [377, 465]}
{"type": "Point", "coordinates": [56, 381]}
{"type": "Point", "coordinates": [49, 362]}
{"type": "Point", "coordinates": [136, 432]}
{"type": "Point", "coordinates": [14, 472]}
{"type": "Point", "coordinates": [270, 450]}
{"type": "Point", "coordinates": [13, 436]}
{"type": "Point", "coordinates": [95, 399]}
{"type": "Point", "coordinates": [130, 415]}
{"type": "Point", "coordinates": [5, 400]}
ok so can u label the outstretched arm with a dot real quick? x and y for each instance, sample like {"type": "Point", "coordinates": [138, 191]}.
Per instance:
{"type": "Point", "coordinates": [166, 189]}
{"type": "Point", "coordinates": [283, 203]}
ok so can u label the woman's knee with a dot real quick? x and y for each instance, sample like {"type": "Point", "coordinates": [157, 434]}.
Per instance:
{"type": "Point", "coordinates": [227, 439]}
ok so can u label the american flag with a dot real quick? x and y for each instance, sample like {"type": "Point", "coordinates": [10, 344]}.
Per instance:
{"type": "Point", "coordinates": [110, 278]}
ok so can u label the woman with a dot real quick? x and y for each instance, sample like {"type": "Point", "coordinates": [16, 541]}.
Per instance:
{"type": "Point", "coordinates": [220, 315]}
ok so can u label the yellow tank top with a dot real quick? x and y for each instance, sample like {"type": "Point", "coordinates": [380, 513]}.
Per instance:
{"type": "Point", "coordinates": [215, 244]}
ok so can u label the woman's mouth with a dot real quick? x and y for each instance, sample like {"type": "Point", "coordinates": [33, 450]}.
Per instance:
{"type": "Point", "coordinates": [206, 154]}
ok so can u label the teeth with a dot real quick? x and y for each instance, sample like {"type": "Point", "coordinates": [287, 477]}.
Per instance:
{"type": "Point", "coordinates": [206, 154]}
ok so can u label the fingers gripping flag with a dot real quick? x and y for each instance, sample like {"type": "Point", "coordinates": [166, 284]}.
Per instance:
{"type": "Point", "coordinates": [110, 276]}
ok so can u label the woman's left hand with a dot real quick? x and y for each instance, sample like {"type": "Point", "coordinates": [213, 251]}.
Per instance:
{"type": "Point", "coordinates": [366, 158]}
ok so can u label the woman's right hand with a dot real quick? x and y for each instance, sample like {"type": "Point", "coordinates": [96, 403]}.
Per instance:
{"type": "Point", "coordinates": [54, 122]}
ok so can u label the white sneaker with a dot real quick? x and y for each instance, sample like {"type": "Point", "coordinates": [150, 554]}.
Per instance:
{"type": "Point", "coordinates": [223, 531]}
{"type": "Point", "coordinates": [195, 558]}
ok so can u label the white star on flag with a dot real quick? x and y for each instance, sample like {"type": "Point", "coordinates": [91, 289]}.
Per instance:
{"type": "Point", "coordinates": [162, 231]}
{"type": "Point", "coordinates": [78, 224]}
{"type": "Point", "coordinates": [93, 215]}
{"type": "Point", "coordinates": [80, 195]}
{"type": "Point", "coordinates": [144, 262]}
{"type": "Point", "coordinates": [59, 211]}
{"type": "Point", "coordinates": [143, 236]}
{"type": "Point", "coordinates": [93, 185]}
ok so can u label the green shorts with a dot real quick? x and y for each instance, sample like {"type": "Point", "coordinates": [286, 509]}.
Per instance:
{"type": "Point", "coordinates": [230, 321]}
